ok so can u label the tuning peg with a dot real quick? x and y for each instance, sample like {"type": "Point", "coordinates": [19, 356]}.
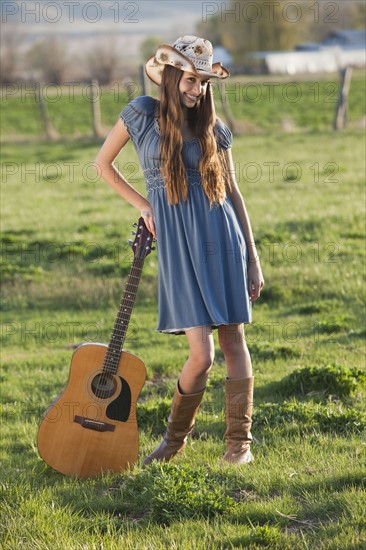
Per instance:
{"type": "Point", "coordinates": [153, 248]}
{"type": "Point", "coordinates": [130, 242]}
{"type": "Point", "coordinates": [134, 224]}
{"type": "Point", "coordinates": [133, 232]}
{"type": "Point", "coordinates": [154, 240]}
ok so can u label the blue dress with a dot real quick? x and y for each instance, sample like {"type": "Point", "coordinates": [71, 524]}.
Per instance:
{"type": "Point", "coordinates": [202, 253]}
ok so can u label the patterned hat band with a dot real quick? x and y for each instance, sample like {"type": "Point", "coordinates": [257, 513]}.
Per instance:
{"type": "Point", "coordinates": [201, 65]}
{"type": "Point", "coordinates": [188, 53]}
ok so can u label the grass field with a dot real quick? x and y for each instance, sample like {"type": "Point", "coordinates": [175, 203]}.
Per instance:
{"type": "Point", "coordinates": [260, 104]}
{"type": "Point", "coordinates": [65, 260]}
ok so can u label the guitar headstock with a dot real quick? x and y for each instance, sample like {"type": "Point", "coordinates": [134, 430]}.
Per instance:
{"type": "Point", "coordinates": [142, 245]}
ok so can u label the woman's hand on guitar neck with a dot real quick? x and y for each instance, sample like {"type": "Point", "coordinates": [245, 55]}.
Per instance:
{"type": "Point", "coordinates": [148, 216]}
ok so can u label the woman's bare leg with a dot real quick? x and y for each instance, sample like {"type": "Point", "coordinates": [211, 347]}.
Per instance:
{"type": "Point", "coordinates": [233, 345]}
{"type": "Point", "coordinates": [201, 355]}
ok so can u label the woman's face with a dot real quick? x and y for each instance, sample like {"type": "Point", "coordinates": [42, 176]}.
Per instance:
{"type": "Point", "coordinates": [191, 88]}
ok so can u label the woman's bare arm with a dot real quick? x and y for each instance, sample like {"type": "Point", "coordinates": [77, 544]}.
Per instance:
{"type": "Point", "coordinates": [103, 164]}
{"type": "Point", "coordinates": [256, 280]}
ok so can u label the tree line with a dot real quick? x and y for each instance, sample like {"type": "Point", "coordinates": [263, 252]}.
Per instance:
{"type": "Point", "coordinates": [265, 25]}
{"type": "Point", "coordinates": [240, 26]}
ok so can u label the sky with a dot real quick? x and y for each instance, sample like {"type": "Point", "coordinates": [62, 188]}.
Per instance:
{"type": "Point", "coordinates": [83, 22]}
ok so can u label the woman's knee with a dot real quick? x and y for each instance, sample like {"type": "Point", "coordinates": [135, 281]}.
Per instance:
{"type": "Point", "coordinates": [202, 360]}
{"type": "Point", "coordinates": [232, 340]}
{"type": "Point", "coordinates": [201, 350]}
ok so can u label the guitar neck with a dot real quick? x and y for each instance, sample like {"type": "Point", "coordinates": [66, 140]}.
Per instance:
{"type": "Point", "coordinates": [119, 332]}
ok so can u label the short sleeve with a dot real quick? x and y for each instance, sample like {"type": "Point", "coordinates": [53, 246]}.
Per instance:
{"type": "Point", "coordinates": [224, 136]}
{"type": "Point", "coordinates": [137, 117]}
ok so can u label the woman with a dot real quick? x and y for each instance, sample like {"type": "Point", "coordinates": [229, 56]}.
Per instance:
{"type": "Point", "coordinates": [209, 271]}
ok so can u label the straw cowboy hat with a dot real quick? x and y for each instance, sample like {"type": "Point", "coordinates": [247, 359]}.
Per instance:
{"type": "Point", "coordinates": [188, 53]}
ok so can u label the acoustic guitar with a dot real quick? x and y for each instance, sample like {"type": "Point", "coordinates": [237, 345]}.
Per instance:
{"type": "Point", "coordinates": [91, 427]}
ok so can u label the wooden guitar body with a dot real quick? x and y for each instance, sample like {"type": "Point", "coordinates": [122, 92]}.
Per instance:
{"type": "Point", "coordinates": [91, 427]}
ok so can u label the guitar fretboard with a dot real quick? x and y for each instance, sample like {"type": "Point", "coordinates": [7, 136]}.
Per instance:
{"type": "Point", "coordinates": [118, 336]}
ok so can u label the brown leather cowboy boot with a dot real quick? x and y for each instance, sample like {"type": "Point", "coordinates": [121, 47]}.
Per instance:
{"type": "Point", "coordinates": [239, 407]}
{"type": "Point", "coordinates": [180, 425]}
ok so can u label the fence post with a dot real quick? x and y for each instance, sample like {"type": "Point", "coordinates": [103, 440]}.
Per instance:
{"type": "Point", "coordinates": [340, 119]}
{"type": "Point", "coordinates": [226, 108]}
{"type": "Point", "coordinates": [145, 81]}
{"type": "Point", "coordinates": [95, 106]}
{"type": "Point", "coordinates": [51, 133]}
{"type": "Point", "coordinates": [130, 86]}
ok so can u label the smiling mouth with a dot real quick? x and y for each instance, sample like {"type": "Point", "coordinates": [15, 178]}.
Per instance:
{"type": "Point", "coordinates": [192, 97]}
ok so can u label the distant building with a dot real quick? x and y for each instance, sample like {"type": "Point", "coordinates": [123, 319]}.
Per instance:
{"type": "Point", "coordinates": [339, 49]}
{"type": "Point", "coordinates": [221, 54]}
{"type": "Point", "coordinates": [346, 38]}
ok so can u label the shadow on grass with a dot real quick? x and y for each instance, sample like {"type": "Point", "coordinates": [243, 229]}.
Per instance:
{"type": "Point", "coordinates": [332, 484]}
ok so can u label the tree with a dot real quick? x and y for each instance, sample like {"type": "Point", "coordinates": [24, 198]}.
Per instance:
{"type": "Point", "coordinates": [51, 59]}
{"type": "Point", "coordinates": [11, 40]}
{"type": "Point", "coordinates": [149, 46]}
{"type": "Point", "coordinates": [260, 25]}
{"type": "Point", "coordinates": [103, 61]}
{"type": "Point", "coordinates": [213, 30]}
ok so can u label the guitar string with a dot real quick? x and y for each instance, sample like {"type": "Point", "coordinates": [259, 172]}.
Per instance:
{"type": "Point", "coordinates": [102, 391]}
{"type": "Point", "coordinates": [110, 366]}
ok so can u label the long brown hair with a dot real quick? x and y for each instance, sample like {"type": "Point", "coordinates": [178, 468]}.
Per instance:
{"type": "Point", "coordinates": [201, 120]}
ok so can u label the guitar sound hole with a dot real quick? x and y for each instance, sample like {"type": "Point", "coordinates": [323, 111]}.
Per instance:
{"type": "Point", "coordinates": [104, 385]}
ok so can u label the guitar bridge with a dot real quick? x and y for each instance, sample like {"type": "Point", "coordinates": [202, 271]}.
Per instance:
{"type": "Point", "coordinates": [92, 424]}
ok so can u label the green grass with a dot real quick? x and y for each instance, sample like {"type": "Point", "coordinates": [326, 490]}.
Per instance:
{"type": "Point", "coordinates": [259, 103]}
{"type": "Point", "coordinates": [65, 260]}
